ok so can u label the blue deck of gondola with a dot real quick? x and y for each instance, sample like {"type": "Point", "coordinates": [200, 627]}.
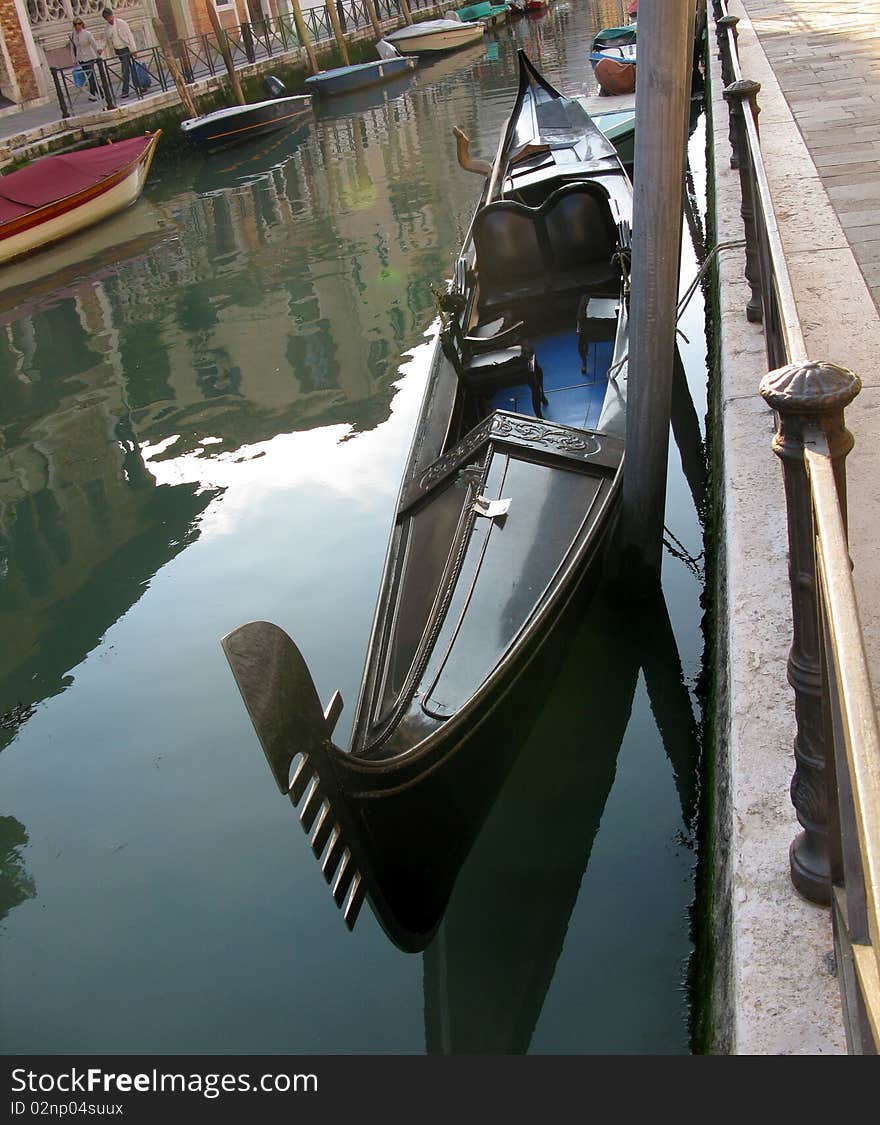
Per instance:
{"type": "Point", "coordinates": [574, 399]}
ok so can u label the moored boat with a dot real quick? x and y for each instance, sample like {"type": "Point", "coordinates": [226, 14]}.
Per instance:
{"type": "Point", "coordinates": [360, 76]}
{"type": "Point", "coordinates": [60, 195]}
{"type": "Point", "coordinates": [508, 499]}
{"type": "Point", "coordinates": [615, 68]}
{"type": "Point", "coordinates": [490, 15]}
{"type": "Point", "coordinates": [235, 124]}
{"type": "Point", "coordinates": [432, 36]}
{"type": "Point", "coordinates": [614, 37]}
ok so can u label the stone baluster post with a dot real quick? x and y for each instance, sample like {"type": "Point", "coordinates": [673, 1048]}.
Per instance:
{"type": "Point", "coordinates": [723, 25]}
{"type": "Point", "coordinates": [736, 95]}
{"type": "Point", "coordinates": [805, 396]}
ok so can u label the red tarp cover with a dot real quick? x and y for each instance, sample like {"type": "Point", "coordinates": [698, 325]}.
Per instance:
{"type": "Point", "coordinates": [56, 177]}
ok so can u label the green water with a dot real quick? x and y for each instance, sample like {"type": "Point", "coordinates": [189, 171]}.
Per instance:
{"type": "Point", "coordinates": [203, 417]}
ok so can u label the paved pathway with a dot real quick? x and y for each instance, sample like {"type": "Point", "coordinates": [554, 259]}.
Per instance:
{"type": "Point", "coordinates": [826, 58]}
{"type": "Point", "coordinates": [825, 61]}
{"type": "Point", "coordinates": [818, 62]}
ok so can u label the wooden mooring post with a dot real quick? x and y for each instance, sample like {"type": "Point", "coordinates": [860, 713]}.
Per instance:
{"type": "Point", "coordinates": [662, 94]}
{"type": "Point", "coordinates": [223, 44]}
{"type": "Point", "coordinates": [173, 69]}
{"type": "Point", "coordinates": [333, 16]}
{"type": "Point", "coordinates": [303, 34]}
{"type": "Point", "coordinates": [374, 18]}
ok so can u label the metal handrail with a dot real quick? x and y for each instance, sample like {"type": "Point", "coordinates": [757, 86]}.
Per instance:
{"type": "Point", "coordinates": [836, 785]}
{"type": "Point", "coordinates": [856, 913]}
{"type": "Point", "coordinates": [199, 56]}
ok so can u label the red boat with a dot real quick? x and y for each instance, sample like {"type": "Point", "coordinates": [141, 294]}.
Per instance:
{"type": "Point", "coordinates": [57, 196]}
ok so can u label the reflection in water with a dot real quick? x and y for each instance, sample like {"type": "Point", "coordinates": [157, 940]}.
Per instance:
{"type": "Point", "coordinates": [16, 886]}
{"type": "Point", "coordinates": [488, 970]}
{"type": "Point", "coordinates": [202, 421]}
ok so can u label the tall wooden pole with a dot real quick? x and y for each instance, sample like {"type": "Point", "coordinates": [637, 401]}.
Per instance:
{"type": "Point", "coordinates": [303, 34]}
{"type": "Point", "coordinates": [223, 44]}
{"type": "Point", "coordinates": [173, 69]}
{"type": "Point", "coordinates": [663, 77]}
{"type": "Point", "coordinates": [374, 18]}
{"type": "Point", "coordinates": [330, 5]}
{"type": "Point", "coordinates": [407, 14]}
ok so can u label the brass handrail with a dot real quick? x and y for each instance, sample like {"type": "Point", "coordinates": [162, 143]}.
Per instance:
{"type": "Point", "coordinates": [857, 914]}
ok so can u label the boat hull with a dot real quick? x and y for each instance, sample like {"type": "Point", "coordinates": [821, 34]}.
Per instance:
{"type": "Point", "coordinates": [348, 79]}
{"type": "Point", "coordinates": [72, 214]}
{"type": "Point", "coordinates": [237, 124]}
{"type": "Point", "coordinates": [615, 69]}
{"type": "Point", "coordinates": [434, 40]}
{"type": "Point", "coordinates": [507, 503]}
{"type": "Point", "coordinates": [616, 77]}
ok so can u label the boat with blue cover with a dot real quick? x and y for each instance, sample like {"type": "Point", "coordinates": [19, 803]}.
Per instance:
{"type": "Point", "coordinates": [508, 499]}
{"type": "Point", "coordinates": [360, 76]}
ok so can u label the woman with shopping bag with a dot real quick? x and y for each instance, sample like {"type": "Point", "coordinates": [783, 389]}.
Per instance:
{"type": "Point", "coordinates": [86, 53]}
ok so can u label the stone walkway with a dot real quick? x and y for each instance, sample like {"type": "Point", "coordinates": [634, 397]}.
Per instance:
{"type": "Point", "coordinates": [826, 59]}
{"type": "Point", "coordinates": [823, 58]}
{"type": "Point", "coordinates": [818, 62]}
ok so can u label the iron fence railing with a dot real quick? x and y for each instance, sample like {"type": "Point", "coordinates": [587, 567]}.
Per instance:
{"type": "Point", "coordinates": [835, 789]}
{"type": "Point", "coordinates": [200, 56]}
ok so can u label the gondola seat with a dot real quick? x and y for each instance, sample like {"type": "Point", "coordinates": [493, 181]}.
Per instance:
{"type": "Point", "coordinates": [566, 245]}
{"type": "Point", "coordinates": [484, 364]}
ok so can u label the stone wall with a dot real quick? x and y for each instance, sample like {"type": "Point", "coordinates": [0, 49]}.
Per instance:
{"type": "Point", "coordinates": [17, 53]}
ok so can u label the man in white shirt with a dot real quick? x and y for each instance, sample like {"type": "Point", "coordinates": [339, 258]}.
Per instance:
{"type": "Point", "coordinates": [120, 39]}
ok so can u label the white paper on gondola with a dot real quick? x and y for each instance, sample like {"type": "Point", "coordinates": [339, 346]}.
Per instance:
{"type": "Point", "coordinates": [492, 509]}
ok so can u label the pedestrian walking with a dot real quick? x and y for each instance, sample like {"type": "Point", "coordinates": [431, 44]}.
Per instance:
{"type": "Point", "coordinates": [120, 39]}
{"type": "Point", "coordinates": [86, 53]}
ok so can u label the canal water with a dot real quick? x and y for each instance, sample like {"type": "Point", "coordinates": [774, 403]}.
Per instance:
{"type": "Point", "coordinates": [205, 405]}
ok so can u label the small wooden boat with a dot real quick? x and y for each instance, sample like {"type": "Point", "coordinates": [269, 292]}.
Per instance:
{"type": "Point", "coordinates": [60, 195]}
{"type": "Point", "coordinates": [432, 36]}
{"type": "Point", "coordinates": [486, 13]}
{"type": "Point", "coordinates": [614, 37]}
{"type": "Point", "coordinates": [508, 498]}
{"type": "Point", "coordinates": [615, 68]}
{"type": "Point", "coordinates": [235, 124]}
{"type": "Point", "coordinates": [360, 76]}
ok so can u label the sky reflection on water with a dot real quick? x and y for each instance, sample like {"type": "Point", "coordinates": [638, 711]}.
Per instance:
{"type": "Point", "coordinates": [209, 428]}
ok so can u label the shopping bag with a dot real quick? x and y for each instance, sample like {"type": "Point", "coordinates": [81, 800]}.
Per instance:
{"type": "Point", "coordinates": [79, 76]}
{"type": "Point", "coordinates": [140, 76]}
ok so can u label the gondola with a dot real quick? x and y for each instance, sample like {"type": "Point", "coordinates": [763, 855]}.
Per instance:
{"type": "Point", "coordinates": [507, 501]}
